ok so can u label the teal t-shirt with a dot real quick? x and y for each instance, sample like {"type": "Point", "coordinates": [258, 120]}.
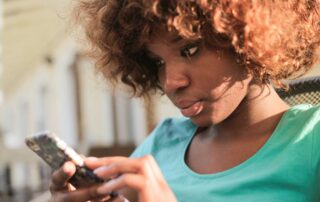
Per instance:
{"type": "Point", "coordinates": [285, 169]}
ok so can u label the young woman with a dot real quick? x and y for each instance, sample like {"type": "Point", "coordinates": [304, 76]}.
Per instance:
{"type": "Point", "coordinates": [218, 62]}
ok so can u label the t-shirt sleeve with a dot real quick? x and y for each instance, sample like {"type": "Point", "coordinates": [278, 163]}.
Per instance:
{"type": "Point", "coordinates": [315, 148]}
{"type": "Point", "coordinates": [143, 149]}
{"type": "Point", "coordinates": [148, 144]}
{"type": "Point", "coordinates": [316, 145]}
{"type": "Point", "coordinates": [316, 155]}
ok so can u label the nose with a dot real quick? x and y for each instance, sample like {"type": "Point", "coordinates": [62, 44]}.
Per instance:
{"type": "Point", "coordinates": [175, 80]}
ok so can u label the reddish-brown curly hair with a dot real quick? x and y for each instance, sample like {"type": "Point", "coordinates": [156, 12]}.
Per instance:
{"type": "Point", "coordinates": [273, 39]}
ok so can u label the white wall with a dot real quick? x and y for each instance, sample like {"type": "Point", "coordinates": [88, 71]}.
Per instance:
{"type": "Point", "coordinates": [164, 108]}
{"type": "Point", "coordinates": [96, 107]}
{"type": "Point", "coordinates": [131, 120]}
{"type": "Point", "coordinates": [19, 112]}
{"type": "Point", "coordinates": [62, 104]}
{"type": "Point", "coordinates": [106, 111]}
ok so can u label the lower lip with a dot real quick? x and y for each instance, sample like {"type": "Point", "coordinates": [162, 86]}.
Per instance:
{"type": "Point", "coordinates": [193, 110]}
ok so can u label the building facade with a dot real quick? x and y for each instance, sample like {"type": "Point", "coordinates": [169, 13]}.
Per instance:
{"type": "Point", "coordinates": [49, 84]}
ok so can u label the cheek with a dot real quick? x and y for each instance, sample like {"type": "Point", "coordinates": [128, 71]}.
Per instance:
{"type": "Point", "coordinates": [225, 100]}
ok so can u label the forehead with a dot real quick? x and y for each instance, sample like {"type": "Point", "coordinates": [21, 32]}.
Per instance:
{"type": "Point", "coordinates": [161, 38]}
{"type": "Point", "coordinates": [164, 39]}
{"type": "Point", "coordinates": [164, 36]}
{"type": "Point", "coordinates": [159, 43]}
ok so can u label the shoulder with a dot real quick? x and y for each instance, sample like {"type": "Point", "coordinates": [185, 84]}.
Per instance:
{"type": "Point", "coordinates": [304, 114]}
{"type": "Point", "coordinates": [299, 124]}
{"type": "Point", "coordinates": [169, 132]}
{"type": "Point", "coordinates": [302, 126]}
{"type": "Point", "coordinates": [307, 121]}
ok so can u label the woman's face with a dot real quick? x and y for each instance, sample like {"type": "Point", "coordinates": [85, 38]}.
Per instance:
{"type": "Point", "coordinates": [205, 84]}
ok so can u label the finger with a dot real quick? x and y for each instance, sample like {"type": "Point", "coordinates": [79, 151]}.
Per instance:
{"type": "Point", "coordinates": [145, 165]}
{"type": "Point", "coordinates": [122, 166]}
{"type": "Point", "coordinates": [93, 162]}
{"type": "Point", "coordinates": [134, 181]}
{"type": "Point", "coordinates": [61, 176]}
{"type": "Point", "coordinates": [82, 195]}
{"type": "Point", "coordinates": [103, 199]}
{"type": "Point", "coordinates": [119, 198]}
{"type": "Point", "coordinates": [153, 167]}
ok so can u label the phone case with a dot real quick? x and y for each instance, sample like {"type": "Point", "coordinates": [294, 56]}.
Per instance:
{"type": "Point", "coordinates": [56, 152]}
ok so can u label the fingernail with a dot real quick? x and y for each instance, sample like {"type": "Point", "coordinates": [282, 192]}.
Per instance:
{"type": "Point", "coordinates": [68, 167]}
{"type": "Point", "coordinates": [105, 188]}
{"type": "Point", "coordinates": [100, 170]}
{"type": "Point", "coordinates": [91, 158]}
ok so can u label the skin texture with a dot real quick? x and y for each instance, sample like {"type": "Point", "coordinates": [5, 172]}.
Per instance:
{"type": "Point", "coordinates": [232, 115]}
{"type": "Point", "coordinates": [209, 76]}
{"type": "Point", "coordinates": [217, 94]}
{"type": "Point", "coordinates": [141, 174]}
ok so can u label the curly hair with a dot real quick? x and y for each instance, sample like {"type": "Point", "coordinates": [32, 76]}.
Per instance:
{"type": "Point", "coordinates": [273, 40]}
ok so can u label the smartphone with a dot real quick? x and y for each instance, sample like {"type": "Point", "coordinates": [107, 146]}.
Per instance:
{"type": "Point", "coordinates": [56, 152]}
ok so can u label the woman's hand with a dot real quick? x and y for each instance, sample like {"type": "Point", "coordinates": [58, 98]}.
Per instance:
{"type": "Point", "coordinates": [61, 190]}
{"type": "Point", "coordinates": [140, 174]}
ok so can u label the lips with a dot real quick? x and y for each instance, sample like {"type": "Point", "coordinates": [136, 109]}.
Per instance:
{"type": "Point", "coordinates": [191, 109]}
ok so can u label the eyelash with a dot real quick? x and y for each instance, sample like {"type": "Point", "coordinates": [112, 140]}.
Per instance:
{"type": "Point", "coordinates": [186, 51]}
{"type": "Point", "coordinates": [189, 50]}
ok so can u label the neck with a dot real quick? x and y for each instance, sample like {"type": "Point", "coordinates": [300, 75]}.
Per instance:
{"type": "Point", "coordinates": [259, 113]}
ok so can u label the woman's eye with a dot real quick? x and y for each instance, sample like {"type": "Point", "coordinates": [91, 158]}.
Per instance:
{"type": "Point", "coordinates": [189, 50]}
{"type": "Point", "coordinates": [159, 63]}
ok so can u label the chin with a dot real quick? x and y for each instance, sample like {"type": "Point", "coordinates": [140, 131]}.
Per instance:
{"type": "Point", "coordinates": [202, 120]}
{"type": "Point", "coordinates": [207, 119]}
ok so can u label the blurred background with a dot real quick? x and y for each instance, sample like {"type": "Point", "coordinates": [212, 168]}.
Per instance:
{"type": "Point", "coordinates": [47, 82]}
